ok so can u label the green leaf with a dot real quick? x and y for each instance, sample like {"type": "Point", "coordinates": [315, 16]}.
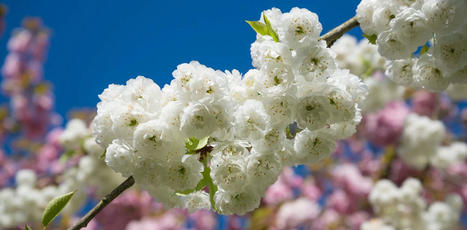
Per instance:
{"type": "Point", "coordinates": [202, 143]}
{"type": "Point", "coordinates": [102, 156]}
{"type": "Point", "coordinates": [191, 143]}
{"type": "Point", "coordinates": [264, 28]}
{"type": "Point", "coordinates": [54, 207]}
{"type": "Point", "coordinates": [424, 49]}
{"type": "Point", "coordinates": [27, 227]}
{"type": "Point", "coordinates": [259, 27]}
{"type": "Point", "coordinates": [371, 38]}
{"type": "Point", "coordinates": [271, 31]}
{"type": "Point", "coordinates": [201, 184]}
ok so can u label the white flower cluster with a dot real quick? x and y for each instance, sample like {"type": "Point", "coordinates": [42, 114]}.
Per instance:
{"type": "Point", "coordinates": [25, 203]}
{"type": "Point", "coordinates": [29, 201]}
{"type": "Point", "coordinates": [376, 224]}
{"type": "Point", "coordinates": [381, 90]}
{"type": "Point", "coordinates": [457, 92]}
{"type": "Point", "coordinates": [91, 171]}
{"type": "Point", "coordinates": [361, 58]}
{"type": "Point", "coordinates": [404, 208]}
{"type": "Point", "coordinates": [402, 26]}
{"type": "Point", "coordinates": [74, 133]}
{"type": "Point", "coordinates": [290, 110]}
{"type": "Point", "coordinates": [422, 144]}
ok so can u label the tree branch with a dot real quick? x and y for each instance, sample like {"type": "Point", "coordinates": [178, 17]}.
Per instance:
{"type": "Point", "coordinates": [83, 222]}
{"type": "Point", "coordinates": [331, 36]}
{"type": "Point", "coordinates": [386, 161]}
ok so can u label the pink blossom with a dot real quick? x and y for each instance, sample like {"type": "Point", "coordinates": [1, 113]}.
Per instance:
{"type": "Point", "coordinates": [13, 66]}
{"type": "Point", "coordinates": [204, 220]}
{"type": "Point", "coordinates": [290, 178]}
{"type": "Point", "coordinates": [327, 220]}
{"type": "Point", "coordinates": [20, 41]}
{"type": "Point", "coordinates": [401, 171]}
{"type": "Point", "coordinates": [385, 126]}
{"type": "Point", "coordinates": [368, 164]}
{"type": "Point", "coordinates": [295, 213]}
{"type": "Point", "coordinates": [168, 221]}
{"type": "Point", "coordinates": [349, 178]}
{"type": "Point", "coordinates": [424, 102]}
{"type": "Point", "coordinates": [356, 219]}
{"type": "Point", "coordinates": [277, 193]}
{"type": "Point", "coordinates": [339, 201]}
{"type": "Point", "coordinates": [310, 190]}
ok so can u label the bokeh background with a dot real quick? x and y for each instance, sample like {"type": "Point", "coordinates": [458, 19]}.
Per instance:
{"type": "Point", "coordinates": [96, 43]}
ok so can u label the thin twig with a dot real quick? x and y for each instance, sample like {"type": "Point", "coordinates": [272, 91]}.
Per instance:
{"type": "Point", "coordinates": [83, 222]}
{"type": "Point", "coordinates": [386, 162]}
{"type": "Point", "coordinates": [331, 36]}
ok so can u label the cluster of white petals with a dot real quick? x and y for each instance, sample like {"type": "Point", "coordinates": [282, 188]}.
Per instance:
{"type": "Point", "coordinates": [90, 172]}
{"type": "Point", "coordinates": [363, 60]}
{"type": "Point", "coordinates": [25, 203]}
{"type": "Point", "coordinates": [402, 27]}
{"type": "Point", "coordinates": [404, 208]}
{"type": "Point", "coordinates": [291, 109]}
{"type": "Point", "coordinates": [422, 144]}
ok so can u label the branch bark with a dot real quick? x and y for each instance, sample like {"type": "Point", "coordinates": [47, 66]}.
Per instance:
{"type": "Point", "coordinates": [83, 222]}
{"type": "Point", "coordinates": [331, 36]}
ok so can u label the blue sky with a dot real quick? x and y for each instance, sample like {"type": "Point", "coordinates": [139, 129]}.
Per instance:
{"type": "Point", "coordinates": [96, 43]}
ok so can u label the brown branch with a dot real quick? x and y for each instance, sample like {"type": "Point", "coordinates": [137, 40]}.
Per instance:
{"type": "Point", "coordinates": [386, 162]}
{"type": "Point", "coordinates": [83, 222]}
{"type": "Point", "coordinates": [331, 36]}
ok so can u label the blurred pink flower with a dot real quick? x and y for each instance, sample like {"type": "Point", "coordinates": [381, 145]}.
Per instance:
{"type": "Point", "coordinates": [329, 219]}
{"type": "Point", "coordinates": [424, 102]}
{"type": "Point", "coordinates": [340, 202]}
{"type": "Point", "coordinates": [20, 41]}
{"type": "Point", "coordinates": [348, 177]}
{"type": "Point", "coordinates": [295, 213]}
{"type": "Point", "coordinates": [310, 190]}
{"type": "Point", "coordinates": [203, 220]}
{"type": "Point", "coordinates": [356, 219]}
{"type": "Point", "coordinates": [385, 126]}
{"type": "Point", "coordinates": [277, 193]}
{"type": "Point", "coordinates": [168, 221]}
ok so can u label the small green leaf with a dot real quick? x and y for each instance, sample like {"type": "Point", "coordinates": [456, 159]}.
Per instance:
{"type": "Point", "coordinates": [264, 28]}
{"type": "Point", "coordinates": [54, 207]}
{"type": "Point", "coordinates": [371, 38]}
{"type": "Point", "coordinates": [191, 144]}
{"type": "Point", "coordinates": [27, 227]}
{"type": "Point", "coordinates": [201, 184]}
{"type": "Point", "coordinates": [259, 27]}
{"type": "Point", "coordinates": [424, 49]}
{"type": "Point", "coordinates": [202, 143]}
{"type": "Point", "coordinates": [271, 31]}
{"type": "Point", "coordinates": [102, 156]}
